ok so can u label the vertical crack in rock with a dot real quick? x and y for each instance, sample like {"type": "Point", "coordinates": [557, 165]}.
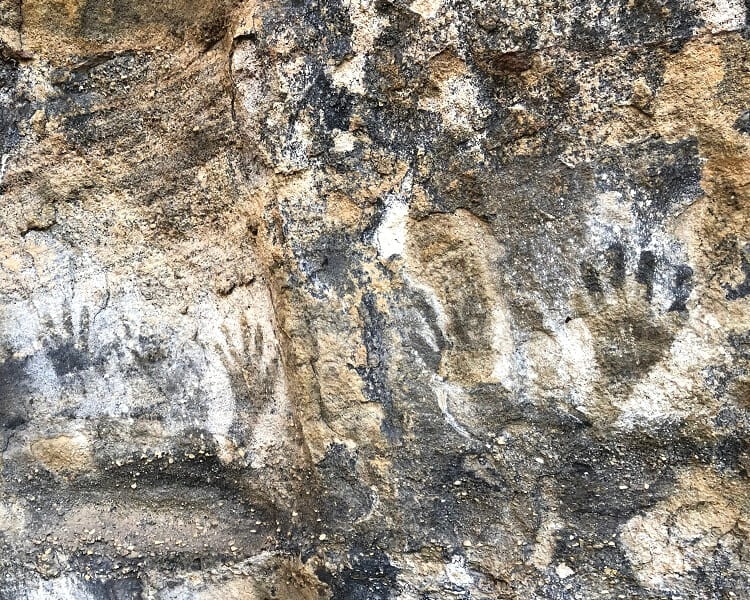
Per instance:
{"type": "Point", "coordinates": [377, 299]}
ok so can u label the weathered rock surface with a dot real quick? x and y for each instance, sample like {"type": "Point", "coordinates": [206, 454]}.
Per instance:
{"type": "Point", "coordinates": [374, 299]}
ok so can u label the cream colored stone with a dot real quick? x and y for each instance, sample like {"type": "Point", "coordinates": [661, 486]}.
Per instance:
{"type": "Point", "coordinates": [65, 454]}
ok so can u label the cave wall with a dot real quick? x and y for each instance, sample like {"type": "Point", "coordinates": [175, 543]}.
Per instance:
{"type": "Point", "coordinates": [374, 299]}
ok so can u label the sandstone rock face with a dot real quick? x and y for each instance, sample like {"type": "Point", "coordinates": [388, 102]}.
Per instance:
{"type": "Point", "coordinates": [374, 299]}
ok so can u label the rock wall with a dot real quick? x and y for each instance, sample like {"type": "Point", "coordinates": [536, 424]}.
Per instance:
{"type": "Point", "coordinates": [374, 299]}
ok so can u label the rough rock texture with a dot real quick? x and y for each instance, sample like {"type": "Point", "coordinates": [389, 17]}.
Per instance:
{"type": "Point", "coordinates": [374, 299]}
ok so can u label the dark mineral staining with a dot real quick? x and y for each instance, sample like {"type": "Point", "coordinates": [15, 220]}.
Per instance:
{"type": "Point", "coordinates": [608, 480]}
{"type": "Point", "coordinates": [8, 77]}
{"type": "Point", "coordinates": [401, 132]}
{"type": "Point", "coordinates": [659, 177]}
{"type": "Point", "coordinates": [391, 78]}
{"type": "Point", "coordinates": [189, 481]}
{"type": "Point", "coordinates": [742, 289]}
{"type": "Point", "coordinates": [89, 81]}
{"type": "Point", "coordinates": [346, 497]}
{"type": "Point", "coordinates": [13, 108]}
{"type": "Point", "coordinates": [318, 26]}
{"type": "Point", "coordinates": [592, 27]}
{"type": "Point", "coordinates": [418, 315]}
{"type": "Point", "coordinates": [375, 375]}
{"type": "Point", "coordinates": [401, 30]}
{"type": "Point", "coordinates": [505, 127]}
{"type": "Point", "coordinates": [728, 417]}
{"type": "Point", "coordinates": [330, 263]}
{"type": "Point", "coordinates": [730, 453]}
{"type": "Point", "coordinates": [732, 382]}
{"type": "Point", "coordinates": [434, 506]}
{"type": "Point", "coordinates": [742, 124]}
{"type": "Point", "coordinates": [720, 578]}
{"type": "Point", "coordinates": [589, 35]}
{"type": "Point", "coordinates": [334, 104]}
{"type": "Point", "coordinates": [602, 483]}
{"type": "Point", "coordinates": [647, 21]}
{"type": "Point", "coordinates": [195, 466]}
{"type": "Point", "coordinates": [494, 407]}
{"type": "Point", "coordinates": [671, 176]}
{"type": "Point", "coordinates": [739, 344]}
{"type": "Point", "coordinates": [367, 575]}
{"type": "Point", "coordinates": [13, 394]}
{"type": "Point", "coordinates": [213, 31]}
{"type": "Point", "coordinates": [97, 129]}
{"type": "Point", "coordinates": [10, 14]}
{"type": "Point", "coordinates": [128, 588]}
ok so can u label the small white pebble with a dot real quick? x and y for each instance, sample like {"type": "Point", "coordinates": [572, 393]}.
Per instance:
{"type": "Point", "coordinates": [564, 571]}
{"type": "Point", "coordinates": [322, 537]}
